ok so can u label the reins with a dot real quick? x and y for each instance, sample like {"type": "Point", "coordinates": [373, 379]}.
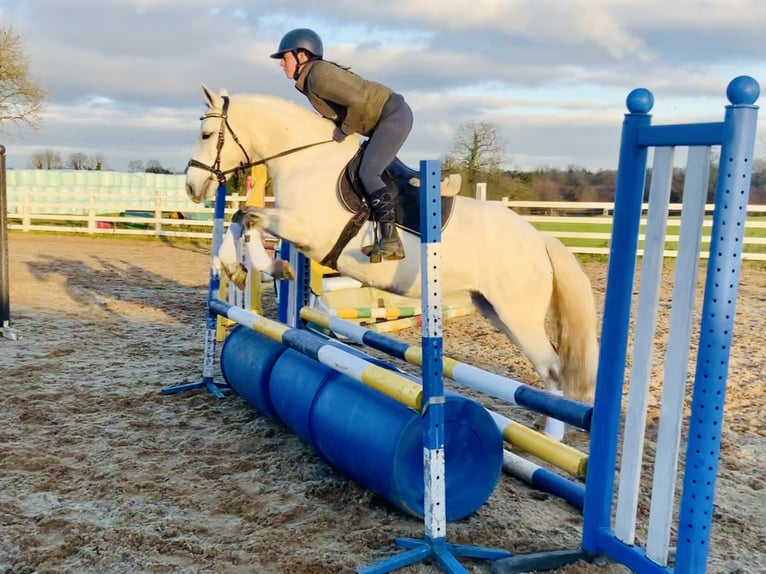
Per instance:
{"type": "Point", "coordinates": [350, 229]}
{"type": "Point", "coordinates": [216, 170]}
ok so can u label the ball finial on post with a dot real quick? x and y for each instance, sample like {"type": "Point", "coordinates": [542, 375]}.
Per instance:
{"type": "Point", "coordinates": [640, 101]}
{"type": "Point", "coordinates": [743, 91]}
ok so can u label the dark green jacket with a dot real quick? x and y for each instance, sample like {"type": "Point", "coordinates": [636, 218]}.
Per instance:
{"type": "Point", "coordinates": [353, 103]}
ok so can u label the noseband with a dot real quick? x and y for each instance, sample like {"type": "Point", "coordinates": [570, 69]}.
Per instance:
{"type": "Point", "coordinates": [215, 169]}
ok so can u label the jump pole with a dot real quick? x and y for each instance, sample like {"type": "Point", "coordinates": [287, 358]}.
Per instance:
{"type": "Point", "coordinates": [543, 447]}
{"type": "Point", "coordinates": [417, 321]}
{"type": "Point", "coordinates": [387, 313]}
{"type": "Point", "coordinates": [383, 380]}
{"type": "Point", "coordinates": [544, 480]}
{"type": "Point", "coordinates": [510, 390]}
{"type": "Point", "coordinates": [5, 292]}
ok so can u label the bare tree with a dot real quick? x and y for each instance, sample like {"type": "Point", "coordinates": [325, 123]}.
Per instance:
{"type": "Point", "coordinates": [21, 99]}
{"type": "Point", "coordinates": [155, 166]}
{"type": "Point", "coordinates": [82, 161]}
{"type": "Point", "coordinates": [46, 159]}
{"type": "Point", "coordinates": [77, 160]}
{"type": "Point", "coordinates": [98, 162]}
{"type": "Point", "coordinates": [477, 151]}
{"type": "Point", "coordinates": [136, 166]}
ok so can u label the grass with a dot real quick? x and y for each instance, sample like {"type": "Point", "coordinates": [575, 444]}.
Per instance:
{"type": "Point", "coordinates": [673, 228]}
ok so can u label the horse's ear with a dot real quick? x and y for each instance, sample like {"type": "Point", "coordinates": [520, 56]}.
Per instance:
{"type": "Point", "coordinates": [209, 96]}
{"type": "Point", "coordinates": [224, 92]}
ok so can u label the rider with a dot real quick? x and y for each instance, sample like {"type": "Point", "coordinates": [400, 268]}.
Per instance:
{"type": "Point", "coordinates": [358, 106]}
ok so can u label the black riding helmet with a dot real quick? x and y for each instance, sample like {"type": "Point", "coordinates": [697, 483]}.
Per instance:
{"type": "Point", "coordinates": [300, 39]}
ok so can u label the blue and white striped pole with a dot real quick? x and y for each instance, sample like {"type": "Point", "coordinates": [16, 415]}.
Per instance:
{"type": "Point", "coordinates": [515, 392]}
{"type": "Point", "coordinates": [543, 479]}
{"type": "Point", "coordinates": [434, 543]}
{"type": "Point", "coordinates": [432, 343]}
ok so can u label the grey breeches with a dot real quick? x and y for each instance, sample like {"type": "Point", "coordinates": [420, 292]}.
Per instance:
{"type": "Point", "coordinates": [388, 137]}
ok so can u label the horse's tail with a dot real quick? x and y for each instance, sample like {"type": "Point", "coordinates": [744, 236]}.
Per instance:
{"type": "Point", "coordinates": [575, 316]}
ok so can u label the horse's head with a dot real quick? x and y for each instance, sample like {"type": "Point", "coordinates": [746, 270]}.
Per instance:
{"type": "Point", "coordinates": [260, 129]}
{"type": "Point", "coordinates": [218, 153]}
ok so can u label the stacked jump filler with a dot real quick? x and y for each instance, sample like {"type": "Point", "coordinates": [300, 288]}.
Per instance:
{"type": "Point", "coordinates": [432, 455]}
{"type": "Point", "coordinates": [372, 432]}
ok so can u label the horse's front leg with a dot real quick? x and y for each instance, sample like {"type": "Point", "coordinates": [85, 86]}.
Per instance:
{"type": "Point", "coordinates": [303, 228]}
{"type": "Point", "coordinates": [285, 224]}
{"type": "Point", "coordinates": [262, 218]}
{"type": "Point", "coordinates": [256, 257]}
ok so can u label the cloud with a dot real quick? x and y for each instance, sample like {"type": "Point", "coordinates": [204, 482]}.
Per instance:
{"type": "Point", "coordinates": [124, 75]}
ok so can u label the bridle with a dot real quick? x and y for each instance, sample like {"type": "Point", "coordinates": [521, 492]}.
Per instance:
{"type": "Point", "coordinates": [215, 169]}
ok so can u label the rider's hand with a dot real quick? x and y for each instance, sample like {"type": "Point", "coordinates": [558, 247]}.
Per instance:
{"type": "Point", "coordinates": [338, 135]}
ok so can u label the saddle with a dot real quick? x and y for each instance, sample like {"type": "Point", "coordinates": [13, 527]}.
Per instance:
{"type": "Point", "coordinates": [401, 180]}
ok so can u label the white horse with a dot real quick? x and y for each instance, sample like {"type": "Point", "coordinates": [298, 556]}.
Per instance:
{"type": "Point", "coordinates": [514, 274]}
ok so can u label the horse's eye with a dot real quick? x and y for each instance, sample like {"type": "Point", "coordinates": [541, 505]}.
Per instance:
{"type": "Point", "coordinates": [207, 135]}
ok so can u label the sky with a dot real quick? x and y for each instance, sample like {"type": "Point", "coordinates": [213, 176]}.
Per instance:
{"type": "Point", "coordinates": [552, 75]}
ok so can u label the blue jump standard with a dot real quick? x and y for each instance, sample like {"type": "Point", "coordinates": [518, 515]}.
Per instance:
{"type": "Point", "coordinates": [211, 319]}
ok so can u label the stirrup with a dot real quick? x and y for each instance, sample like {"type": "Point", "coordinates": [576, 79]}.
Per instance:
{"type": "Point", "coordinates": [394, 251]}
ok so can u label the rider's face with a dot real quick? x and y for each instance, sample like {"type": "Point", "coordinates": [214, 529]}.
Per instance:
{"type": "Point", "coordinates": [288, 64]}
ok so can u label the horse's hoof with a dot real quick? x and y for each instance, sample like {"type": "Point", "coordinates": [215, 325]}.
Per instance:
{"type": "Point", "coordinates": [237, 275]}
{"type": "Point", "coordinates": [551, 428]}
{"type": "Point", "coordinates": [240, 280]}
{"type": "Point", "coordinates": [283, 270]}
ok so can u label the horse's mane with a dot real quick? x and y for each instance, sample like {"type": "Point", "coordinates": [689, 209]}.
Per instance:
{"type": "Point", "coordinates": [280, 107]}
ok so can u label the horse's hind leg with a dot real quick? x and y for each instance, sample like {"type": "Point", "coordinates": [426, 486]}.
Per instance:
{"type": "Point", "coordinates": [523, 322]}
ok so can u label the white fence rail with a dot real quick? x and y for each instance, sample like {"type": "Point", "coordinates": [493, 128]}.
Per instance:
{"type": "Point", "coordinates": [567, 220]}
{"type": "Point", "coordinates": [584, 226]}
{"type": "Point", "coordinates": [88, 212]}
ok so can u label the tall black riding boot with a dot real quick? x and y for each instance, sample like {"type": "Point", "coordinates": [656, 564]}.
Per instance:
{"type": "Point", "coordinates": [387, 244]}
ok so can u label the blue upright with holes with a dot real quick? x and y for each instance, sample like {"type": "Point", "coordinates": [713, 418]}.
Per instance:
{"type": "Point", "coordinates": [736, 136]}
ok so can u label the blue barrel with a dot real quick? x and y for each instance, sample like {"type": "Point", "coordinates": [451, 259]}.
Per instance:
{"type": "Point", "coordinates": [376, 440]}
{"type": "Point", "coordinates": [246, 362]}
{"type": "Point", "coordinates": [293, 387]}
